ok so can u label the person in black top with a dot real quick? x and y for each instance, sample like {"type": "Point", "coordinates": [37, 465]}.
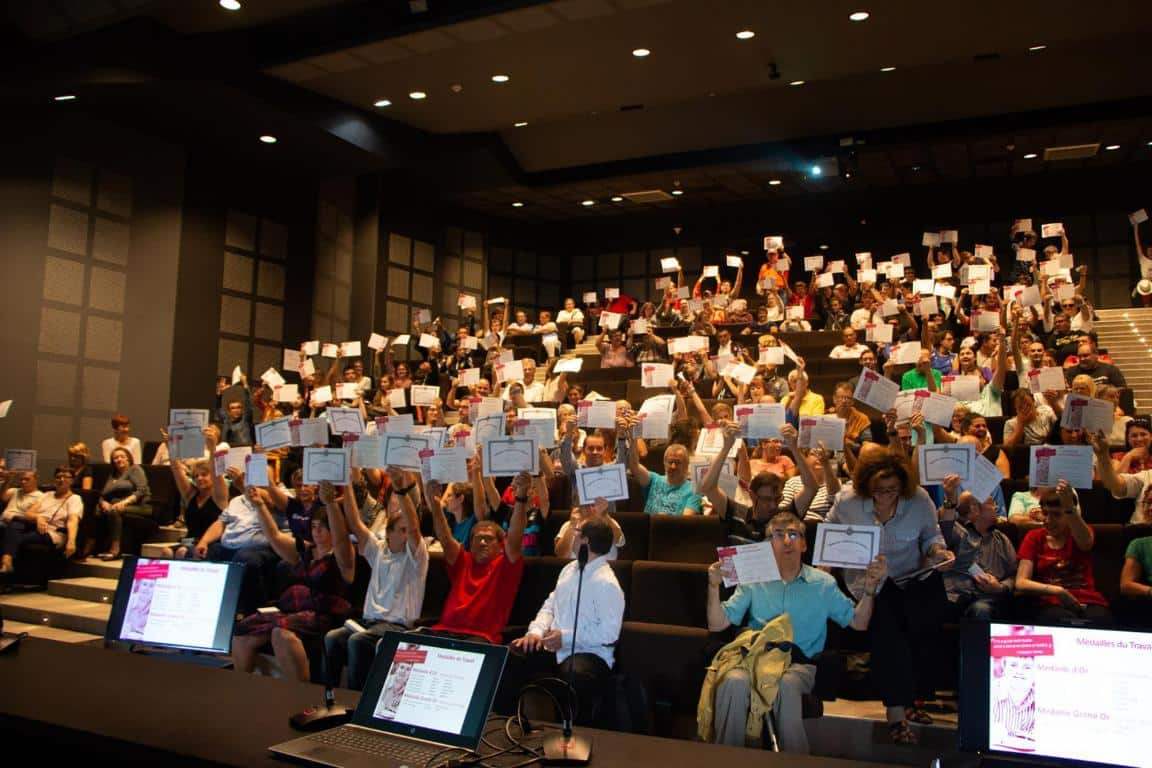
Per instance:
{"type": "Point", "coordinates": [298, 508]}
{"type": "Point", "coordinates": [203, 497]}
{"type": "Point", "coordinates": [1089, 365]}
{"type": "Point", "coordinates": [78, 457]}
{"type": "Point", "coordinates": [1063, 340]}
{"type": "Point", "coordinates": [235, 417]}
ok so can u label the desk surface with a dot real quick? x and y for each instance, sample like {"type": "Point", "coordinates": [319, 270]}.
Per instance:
{"type": "Point", "coordinates": [227, 718]}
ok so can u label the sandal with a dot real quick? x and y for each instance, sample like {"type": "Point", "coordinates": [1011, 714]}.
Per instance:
{"type": "Point", "coordinates": [902, 733]}
{"type": "Point", "coordinates": [917, 715]}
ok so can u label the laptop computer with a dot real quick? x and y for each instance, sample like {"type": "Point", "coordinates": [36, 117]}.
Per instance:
{"type": "Point", "coordinates": [424, 694]}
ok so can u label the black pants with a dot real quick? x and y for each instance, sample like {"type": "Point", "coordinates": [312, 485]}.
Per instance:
{"type": "Point", "coordinates": [905, 632]}
{"type": "Point", "coordinates": [591, 679]}
{"type": "Point", "coordinates": [1044, 613]}
{"type": "Point", "coordinates": [259, 573]}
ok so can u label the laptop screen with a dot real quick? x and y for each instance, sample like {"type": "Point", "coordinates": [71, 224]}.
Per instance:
{"type": "Point", "coordinates": [431, 688]}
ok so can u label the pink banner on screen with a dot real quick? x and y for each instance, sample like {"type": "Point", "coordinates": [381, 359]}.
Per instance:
{"type": "Point", "coordinates": [151, 571]}
{"type": "Point", "coordinates": [410, 657]}
{"type": "Point", "coordinates": [1022, 645]}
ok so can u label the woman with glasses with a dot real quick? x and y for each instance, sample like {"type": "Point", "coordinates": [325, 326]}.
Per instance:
{"type": "Point", "coordinates": [857, 425]}
{"type": "Point", "coordinates": [53, 519]}
{"type": "Point", "coordinates": [746, 524]}
{"type": "Point", "coordinates": [1137, 438]}
{"type": "Point", "coordinates": [911, 603]}
{"type": "Point", "coordinates": [1055, 569]}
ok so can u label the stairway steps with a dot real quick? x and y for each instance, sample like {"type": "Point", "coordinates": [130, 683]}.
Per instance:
{"type": "Point", "coordinates": [170, 533]}
{"type": "Point", "coordinates": [60, 612]}
{"type": "Point", "coordinates": [92, 567]}
{"type": "Point", "coordinates": [89, 588]}
{"type": "Point", "coordinates": [45, 632]}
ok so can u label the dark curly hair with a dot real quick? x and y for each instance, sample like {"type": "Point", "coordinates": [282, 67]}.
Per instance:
{"type": "Point", "coordinates": [884, 465]}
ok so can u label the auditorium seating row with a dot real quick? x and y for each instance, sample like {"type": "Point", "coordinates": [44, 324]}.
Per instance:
{"type": "Point", "coordinates": [665, 645]}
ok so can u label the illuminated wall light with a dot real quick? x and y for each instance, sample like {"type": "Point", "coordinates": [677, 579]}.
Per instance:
{"type": "Point", "coordinates": [500, 78]}
{"type": "Point", "coordinates": [268, 139]}
{"type": "Point", "coordinates": [1112, 147]}
{"type": "Point", "coordinates": [1037, 48]}
{"type": "Point", "coordinates": [65, 97]}
{"type": "Point", "coordinates": [775, 182]}
{"type": "Point", "coordinates": [382, 103]}
{"type": "Point", "coordinates": [521, 124]}
{"type": "Point", "coordinates": [230, 5]}
{"type": "Point", "coordinates": [796, 82]}
{"type": "Point", "coordinates": [745, 34]}
{"type": "Point", "coordinates": [588, 203]}
{"type": "Point", "coordinates": [677, 192]}
{"type": "Point", "coordinates": [517, 204]}
{"type": "Point", "coordinates": [641, 52]}
{"type": "Point", "coordinates": [617, 199]}
{"type": "Point", "coordinates": [1031, 156]}
{"type": "Point", "coordinates": [417, 95]}
{"type": "Point", "coordinates": [887, 69]}
{"type": "Point", "coordinates": [859, 16]}
{"type": "Point", "coordinates": [817, 171]}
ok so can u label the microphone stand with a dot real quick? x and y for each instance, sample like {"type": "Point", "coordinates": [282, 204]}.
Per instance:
{"type": "Point", "coordinates": [565, 748]}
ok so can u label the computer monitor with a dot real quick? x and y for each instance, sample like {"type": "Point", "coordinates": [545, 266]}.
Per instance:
{"type": "Point", "coordinates": [1068, 695]}
{"type": "Point", "coordinates": [183, 604]}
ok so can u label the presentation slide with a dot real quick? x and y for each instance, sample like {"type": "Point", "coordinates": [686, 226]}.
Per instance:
{"type": "Point", "coordinates": [429, 687]}
{"type": "Point", "coordinates": [174, 603]}
{"type": "Point", "coordinates": [1052, 686]}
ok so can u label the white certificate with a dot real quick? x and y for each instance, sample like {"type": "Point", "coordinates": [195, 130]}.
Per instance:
{"type": "Point", "coordinates": [880, 332]}
{"type": "Point", "coordinates": [310, 347]}
{"type": "Point", "coordinates": [727, 480]}
{"type": "Point", "coordinates": [1044, 379]}
{"type": "Point", "coordinates": [907, 353]}
{"type": "Point", "coordinates": [237, 457]}
{"type": "Point", "coordinates": [945, 291]}
{"type": "Point", "coordinates": [1087, 413]}
{"type": "Point", "coordinates": [711, 441]}
{"type": "Point", "coordinates": [400, 424]}
{"type": "Point", "coordinates": [942, 459]}
{"type": "Point", "coordinates": [760, 421]}
{"type": "Point", "coordinates": [927, 306]}
{"type": "Point", "coordinates": [937, 408]}
{"type": "Point", "coordinates": [468, 377]}
{"type": "Point", "coordinates": [656, 417]}
{"type": "Point", "coordinates": [309, 432]}
{"type": "Point", "coordinates": [543, 431]}
{"type": "Point", "coordinates": [712, 270]}
{"type": "Point", "coordinates": [876, 390]}
{"type": "Point", "coordinates": [425, 395]}
{"type": "Point", "coordinates": [193, 417]}
{"type": "Point", "coordinates": [346, 421]}
{"type": "Point", "coordinates": [742, 372]}
{"type": "Point", "coordinates": [985, 479]}
{"type": "Point", "coordinates": [941, 272]}
{"type": "Point", "coordinates": [428, 341]}
{"type": "Point", "coordinates": [963, 388]}
{"type": "Point", "coordinates": [347, 391]}
{"type": "Point", "coordinates": [930, 239]}
{"type": "Point", "coordinates": [983, 321]}
{"type": "Point", "coordinates": [329, 350]}
{"type": "Point", "coordinates": [322, 395]}
{"type": "Point", "coordinates": [669, 264]}
{"type": "Point", "coordinates": [377, 342]}
{"type": "Point", "coordinates": [1049, 464]}
{"type": "Point", "coordinates": [813, 263]}
{"type": "Point", "coordinates": [608, 481]}
{"type": "Point", "coordinates": [569, 365]}
{"type": "Point", "coordinates": [403, 451]}
{"type": "Point", "coordinates": [505, 456]}
{"type": "Point", "coordinates": [449, 465]}
{"type": "Point", "coordinates": [1054, 229]}
{"type": "Point", "coordinates": [639, 327]}
{"type": "Point", "coordinates": [821, 429]}
{"type": "Point", "coordinates": [272, 378]}
{"type": "Point", "coordinates": [905, 404]}
{"type": "Point", "coordinates": [748, 564]}
{"type": "Point", "coordinates": [350, 348]}
{"type": "Point", "coordinates": [1026, 295]}
{"type": "Point", "coordinates": [489, 406]}
{"type": "Point", "coordinates": [439, 435]}
{"type": "Point", "coordinates": [291, 360]}
{"type": "Point", "coordinates": [488, 428]}
{"type": "Point", "coordinates": [734, 261]}
{"type": "Point", "coordinates": [186, 441]}
{"type": "Point", "coordinates": [596, 414]}
{"type": "Point", "coordinates": [513, 371]}
{"type": "Point", "coordinates": [656, 375]}
{"type": "Point", "coordinates": [1025, 254]}
{"type": "Point", "coordinates": [398, 397]}
{"type": "Point", "coordinates": [846, 546]}
{"type": "Point", "coordinates": [307, 369]}
{"type": "Point", "coordinates": [331, 464]}
{"type": "Point", "coordinates": [256, 470]}
{"type": "Point", "coordinates": [924, 287]}
{"type": "Point", "coordinates": [20, 459]}
{"type": "Point", "coordinates": [368, 452]}
{"type": "Point", "coordinates": [771, 356]}
{"type": "Point", "coordinates": [825, 280]}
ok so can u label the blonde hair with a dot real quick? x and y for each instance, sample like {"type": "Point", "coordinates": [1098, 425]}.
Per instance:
{"type": "Point", "coordinates": [1085, 381]}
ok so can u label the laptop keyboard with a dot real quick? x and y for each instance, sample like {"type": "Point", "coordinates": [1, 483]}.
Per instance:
{"type": "Point", "coordinates": [378, 744]}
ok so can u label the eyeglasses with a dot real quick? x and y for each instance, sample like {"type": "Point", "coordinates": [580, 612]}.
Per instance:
{"type": "Point", "coordinates": [885, 491]}
{"type": "Point", "coordinates": [789, 535]}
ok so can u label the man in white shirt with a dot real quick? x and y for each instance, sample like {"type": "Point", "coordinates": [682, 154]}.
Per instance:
{"type": "Point", "coordinates": [850, 349]}
{"type": "Point", "coordinates": [533, 390]}
{"type": "Point", "coordinates": [601, 617]}
{"type": "Point", "coordinates": [22, 497]}
{"type": "Point", "coordinates": [399, 564]}
{"type": "Point", "coordinates": [863, 315]}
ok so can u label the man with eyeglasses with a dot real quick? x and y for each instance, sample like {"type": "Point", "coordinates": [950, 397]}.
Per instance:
{"type": "Point", "coordinates": [811, 598]}
{"type": "Point", "coordinates": [1088, 364]}
{"type": "Point", "coordinates": [20, 494]}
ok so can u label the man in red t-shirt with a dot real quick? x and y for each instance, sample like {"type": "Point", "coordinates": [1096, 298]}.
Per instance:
{"type": "Point", "coordinates": [486, 576]}
{"type": "Point", "coordinates": [624, 305]}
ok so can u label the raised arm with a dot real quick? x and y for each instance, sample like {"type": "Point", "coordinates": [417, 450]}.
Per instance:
{"type": "Point", "coordinates": [341, 544]}
{"type": "Point", "coordinates": [350, 511]}
{"type": "Point", "coordinates": [440, 523]}
{"type": "Point", "coordinates": [1109, 478]}
{"type": "Point", "coordinates": [514, 540]}
{"type": "Point", "coordinates": [282, 543]}
{"type": "Point", "coordinates": [710, 485]}
{"type": "Point", "coordinates": [739, 282]}
{"type": "Point", "coordinates": [639, 471]}
{"type": "Point", "coordinates": [1001, 362]}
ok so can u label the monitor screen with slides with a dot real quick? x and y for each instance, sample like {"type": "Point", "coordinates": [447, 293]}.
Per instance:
{"type": "Point", "coordinates": [1071, 694]}
{"type": "Point", "coordinates": [184, 604]}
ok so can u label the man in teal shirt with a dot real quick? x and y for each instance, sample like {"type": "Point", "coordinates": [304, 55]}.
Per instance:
{"type": "Point", "coordinates": [811, 598]}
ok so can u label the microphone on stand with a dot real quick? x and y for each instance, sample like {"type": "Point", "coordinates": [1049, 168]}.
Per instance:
{"type": "Point", "coordinates": [564, 748]}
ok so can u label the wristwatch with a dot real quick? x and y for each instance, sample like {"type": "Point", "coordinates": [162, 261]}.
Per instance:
{"type": "Point", "coordinates": [521, 499]}
{"type": "Point", "coordinates": [406, 490]}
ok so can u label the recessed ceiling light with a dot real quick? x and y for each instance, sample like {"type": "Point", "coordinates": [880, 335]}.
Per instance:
{"type": "Point", "coordinates": [417, 95]}
{"type": "Point", "coordinates": [500, 78]}
{"type": "Point", "coordinates": [859, 16]}
{"type": "Point", "coordinates": [775, 182]}
{"type": "Point", "coordinates": [887, 69]}
{"type": "Point", "coordinates": [1112, 147]}
{"type": "Point", "coordinates": [617, 199]}
{"type": "Point", "coordinates": [745, 34]}
{"type": "Point", "coordinates": [230, 5]}
{"type": "Point", "coordinates": [677, 192]}
{"type": "Point", "coordinates": [65, 97]}
{"type": "Point", "coordinates": [382, 103]}
{"type": "Point", "coordinates": [1030, 156]}
{"type": "Point", "coordinates": [1037, 48]}
{"type": "Point", "coordinates": [823, 247]}
{"type": "Point", "coordinates": [268, 139]}
{"type": "Point", "coordinates": [588, 203]}
{"type": "Point", "coordinates": [816, 170]}
{"type": "Point", "coordinates": [743, 253]}
{"type": "Point", "coordinates": [517, 204]}
{"type": "Point", "coordinates": [1150, 143]}
{"type": "Point", "coordinates": [796, 82]}
{"type": "Point", "coordinates": [521, 124]}
{"type": "Point", "coordinates": [641, 52]}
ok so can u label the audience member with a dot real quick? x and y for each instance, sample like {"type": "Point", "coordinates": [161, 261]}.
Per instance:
{"type": "Point", "coordinates": [980, 584]}
{"type": "Point", "coordinates": [52, 520]}
{"type": "Point", "coordinates": [122, 438]}
{"type": "Point", "coordinates": [125, 493]}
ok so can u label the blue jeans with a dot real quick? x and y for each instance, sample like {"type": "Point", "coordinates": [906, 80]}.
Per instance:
{"type": "Point", "coordinates": [357, 649]}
